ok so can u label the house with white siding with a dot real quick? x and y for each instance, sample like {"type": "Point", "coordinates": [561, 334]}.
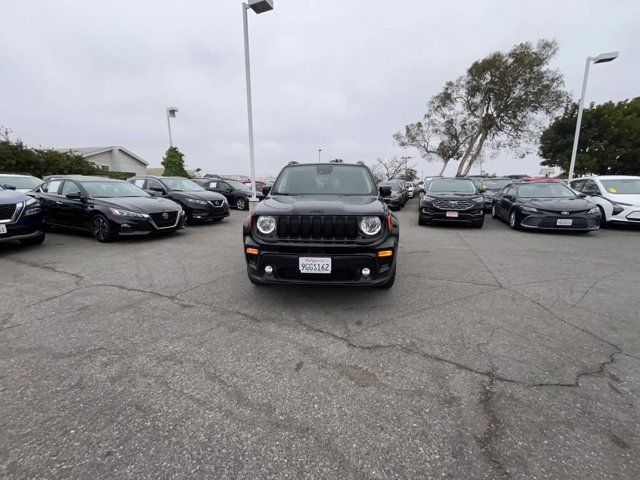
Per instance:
{"type": "Point", "coordinates": [112, 159]}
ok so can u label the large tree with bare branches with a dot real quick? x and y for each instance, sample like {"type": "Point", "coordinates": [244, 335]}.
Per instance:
{"type": "Point", "coordinates": [503, 101]}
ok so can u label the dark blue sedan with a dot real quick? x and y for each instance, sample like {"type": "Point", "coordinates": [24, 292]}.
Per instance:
{"type": "Point", "coordinates": [20, 218]}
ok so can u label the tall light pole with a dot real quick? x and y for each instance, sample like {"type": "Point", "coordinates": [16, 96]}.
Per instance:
{"type": "Point", "coordinates": [602, 58]}
{"type": "Point", "coordinates": [258, 6]}
{"type": "Point", "coordinates": [171, 113]}
{"type": "Point", "coordinates": [319, 152]}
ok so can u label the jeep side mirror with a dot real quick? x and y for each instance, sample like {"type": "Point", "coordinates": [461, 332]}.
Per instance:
{"type": "Point", "coordinates": [9, 186]}
{"type": "Point", "coordinates": [385, 191]}
{"type": "Point", "coordinates": [266, 189]}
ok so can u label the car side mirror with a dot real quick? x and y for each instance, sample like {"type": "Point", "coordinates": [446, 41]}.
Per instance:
{"type": "Point", "coordinates": [385, 191]}
{"type": "Point", "coordinates": [9, 186]}
{"type": "Point", "coordinates": [482, 190]}
{"type": "Point", "coordinates": [159, 190]}
{"type": "Point", "coordinates": [582, 195]}
{"type": "Point", "coordinates": [266, 189]}
{"type": "Point", "coordinates": [75, 196]}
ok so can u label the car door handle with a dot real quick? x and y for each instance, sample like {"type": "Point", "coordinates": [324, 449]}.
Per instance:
{"type": "Point", "coordinates": [58, 202]}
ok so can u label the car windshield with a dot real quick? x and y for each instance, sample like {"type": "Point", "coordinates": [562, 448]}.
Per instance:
{"type": "Point", "coordinates": [545, 190]}
{"type": "Point", "coordinates": [325, 180]}
{"type": "Point", "coordinates": [394, 186]}
{"type": "Point", "coordinates": [25, 182]}
{"type": "Point", "coordinates": [239, 185]}
{"type": "Point", "coordinates": [622, 186]}
{"type": "Point", "coordinates": [111, 189]}
{"type": "Point", "coordinates": [182, 184]}
{"type": "Point", "coordinates": [498, 184]}
{"type": "Point", "coordinates": [451, 185]}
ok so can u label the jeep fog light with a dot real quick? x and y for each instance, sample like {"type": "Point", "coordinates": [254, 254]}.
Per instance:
{"type": "Point", "coordinates": [268, 269]}
{"type": "Point", "coordinates": [366, 272]}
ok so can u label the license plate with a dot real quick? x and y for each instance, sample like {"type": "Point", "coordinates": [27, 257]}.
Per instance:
{"type": "Point", "coordinates": [564, 222]}
{"type": "Point", "coordinates": [3, 229]}
{"type": "Point", "coordinates": [452, 214]}
{"type": "Point", "coordinates": [315, 265]}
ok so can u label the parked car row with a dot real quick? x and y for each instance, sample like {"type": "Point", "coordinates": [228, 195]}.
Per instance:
{"type": "Point", "coordinates": [105, 207]}
{"type": "Point", "coordinates": [583, 205]}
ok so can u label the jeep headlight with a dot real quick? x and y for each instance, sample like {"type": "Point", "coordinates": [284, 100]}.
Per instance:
{"type": "Point", "coordinates": [266, 224]}
{"type": "Point", "coordinates": [370, 225]}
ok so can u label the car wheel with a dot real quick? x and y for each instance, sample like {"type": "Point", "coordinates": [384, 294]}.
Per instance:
{"type": "Point", "coordinates": [241, 203]}
{"type": "Point", "coordinates": [101, 229]}
{"type": "Point", "coordinates": [389, 283]}
{"type": "Point", "coordinates": [603, 218]}
{"type": "Point", "coordinates": [514, 221]}
{"type": "Point", "coordinates": [33, 241]}
{"type": "Point", "coordinates": [478, 223]}
{"type": "Point", "coordinates": [494, 211]}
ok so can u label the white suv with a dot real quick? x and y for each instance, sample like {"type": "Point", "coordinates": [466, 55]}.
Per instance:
{"type": "Point", "coordinates": [617, 196]}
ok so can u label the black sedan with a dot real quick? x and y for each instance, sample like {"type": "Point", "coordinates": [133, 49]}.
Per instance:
{"type": "Point", "coordinates": [545, 206]}
{"type": "Point", "coordinates": [451, 200]}
{"type": "Point", "coordinates": [198, 203]}
{"type": "Point", "coordinates": [489, 188]}
{"type": "Point", "coordinates": [236, 193]}
{"type": "Point", "coordinates": [107, 208]}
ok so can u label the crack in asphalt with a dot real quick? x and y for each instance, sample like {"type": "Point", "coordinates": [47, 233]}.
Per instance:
{"type": "Point", "coordinates": [488, 439]}
{"type": "Point", "coordinates": [76, 276]}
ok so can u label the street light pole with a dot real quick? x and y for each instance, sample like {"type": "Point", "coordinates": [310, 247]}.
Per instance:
{"type": "Point", "coordinates": [171, 113]}
{"type": "Point", "coordinates": [258, 6]}
{"type": "Point", "coordinates": [602, 58]}
{"type": "Point", "coordinates": [319, 152]}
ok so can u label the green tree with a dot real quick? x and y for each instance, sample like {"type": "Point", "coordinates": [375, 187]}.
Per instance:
{"type": "Point", "coordinates": [501, 102]}
{"type": "Point", "coordinates": [609, 141]}
{"type": "Point", "coordinates": [17, 157]}
{"type": "Point", "coordinates": [173, 163]}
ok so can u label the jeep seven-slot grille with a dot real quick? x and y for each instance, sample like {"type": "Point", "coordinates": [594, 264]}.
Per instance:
{"type": "Point", "coordinates": [317, 228]}
{"type": "Point", "coordinates": [7, 211]}
{"type": "Point", "coordinates": [453, 204]}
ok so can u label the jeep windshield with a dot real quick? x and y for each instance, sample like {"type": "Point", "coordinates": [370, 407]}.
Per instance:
{"type": "Point", "coordinates": [325, 180]}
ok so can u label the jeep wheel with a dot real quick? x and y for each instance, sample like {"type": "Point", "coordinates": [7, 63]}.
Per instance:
{"type": "Point", "coordinates": [389, 282]}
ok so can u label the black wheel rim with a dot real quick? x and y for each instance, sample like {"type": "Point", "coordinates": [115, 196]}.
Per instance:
{"type": "Point", "coordinates": [100, 228]}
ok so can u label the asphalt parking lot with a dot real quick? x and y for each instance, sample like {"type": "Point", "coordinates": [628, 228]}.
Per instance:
{"type": "Point", "coordinates": [497, 354]}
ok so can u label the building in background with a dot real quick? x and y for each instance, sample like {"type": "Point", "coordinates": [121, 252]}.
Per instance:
{"type": "Point", "coordinates": [111, 159]}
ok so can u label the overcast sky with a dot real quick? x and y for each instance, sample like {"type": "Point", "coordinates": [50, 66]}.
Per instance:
{"type": "Point", "coordinates": [333, 74]}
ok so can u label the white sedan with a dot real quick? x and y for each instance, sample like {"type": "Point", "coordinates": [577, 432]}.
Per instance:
{"type": "Point", "coordinates": [617, 196]}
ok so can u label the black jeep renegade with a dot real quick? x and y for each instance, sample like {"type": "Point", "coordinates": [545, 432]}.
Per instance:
{"type": "Point", "coordinates": [322, 224]}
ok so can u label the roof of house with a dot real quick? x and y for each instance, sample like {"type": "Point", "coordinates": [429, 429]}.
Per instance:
{"type": "Point", "coordinates": [91, 151]}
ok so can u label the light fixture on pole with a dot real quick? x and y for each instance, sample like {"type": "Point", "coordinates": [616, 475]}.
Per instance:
{"type": "Point", "coordinates": [171, 113]}
{"type": "Point", "coordinates": [319, 152]}
{"type": "Point", "coordinates": [258, 6]}
{"type": "Point", "coordinates": [602, 58]}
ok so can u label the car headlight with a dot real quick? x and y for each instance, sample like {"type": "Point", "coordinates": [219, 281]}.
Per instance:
{"type": "Point", "coordinates": [593, 210]}
{"type": "Point", "coordinates": [32, 211]}
{"type": "Point", "coordinates": [530, 209]}
{"type": "Point", "coordinates": [266, 224]}
{"type": "Point", "coordinates": [31, 201]}
{"type": "Point", "coordinates": [427, 200]}
{"type": "Point", "coordinates": [479, 199]}
{"type": "Point", "coordinates": [127, 213]}
{"type": "Point", "coordinates": [370, 225]}
{"type": "Point", "coordinates": [196, 201]}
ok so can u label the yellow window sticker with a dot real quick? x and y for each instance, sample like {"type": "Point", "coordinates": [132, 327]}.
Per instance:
{"type": "Point", "coordinates": [612, 190]}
